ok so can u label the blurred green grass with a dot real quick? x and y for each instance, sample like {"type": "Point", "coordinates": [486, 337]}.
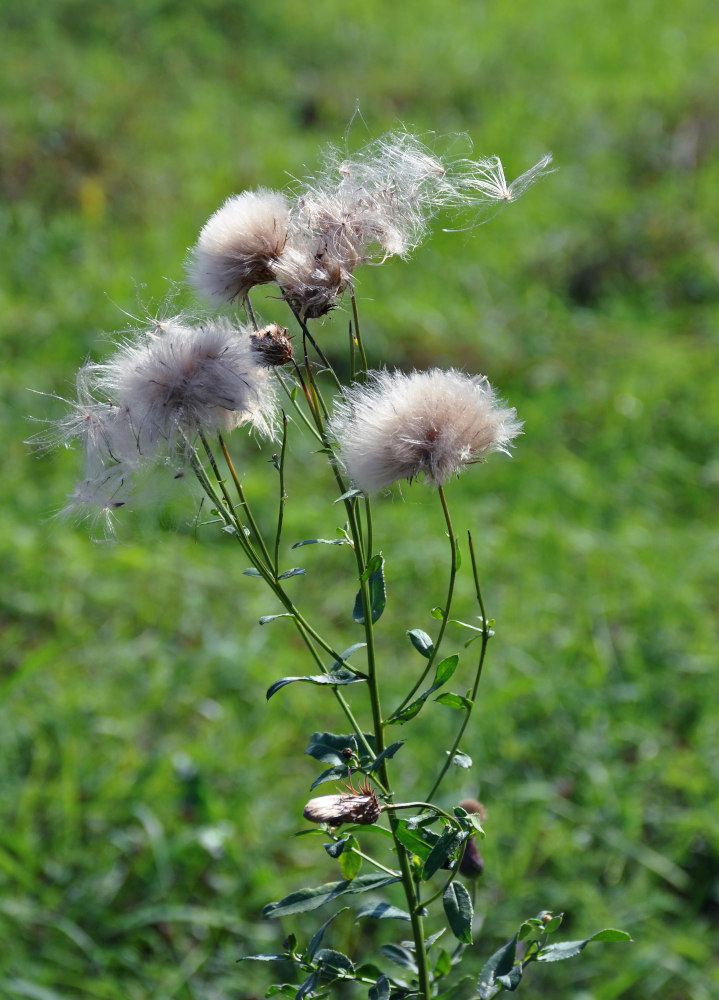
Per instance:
{"type": "Point", "coordinates": [149, 791]}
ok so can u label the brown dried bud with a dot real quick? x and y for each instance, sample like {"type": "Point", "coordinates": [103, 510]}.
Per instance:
{"type": "Point", "coordinates": [472, 863]}
{"type": "Point", "coordinates": [345, 808]}
{"type": "Point", "coordinates": [272, 345]}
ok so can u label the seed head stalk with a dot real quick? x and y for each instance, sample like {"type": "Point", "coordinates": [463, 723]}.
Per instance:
{"type": "Point", "coordinates": [447, 604]}
{"type": "Point", "coordinates": [486, 636]}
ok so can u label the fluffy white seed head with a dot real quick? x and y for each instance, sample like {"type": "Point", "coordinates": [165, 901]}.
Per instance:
{"type": "Point", "coordinates": [238, 244]}
{"type": "Point", "coordinates": [175, 379]}
{"type": "Point", "coordinates": [148, 401]}
{"type": "Point", "coordinates": [429, 424]}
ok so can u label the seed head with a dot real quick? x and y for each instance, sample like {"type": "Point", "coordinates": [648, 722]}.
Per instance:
{"type": "Point", "coordinates": [431, 423]}
{"type": "Point", "coordinates": [238, 245]}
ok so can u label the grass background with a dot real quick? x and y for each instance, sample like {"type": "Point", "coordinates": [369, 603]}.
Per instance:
{"type": "Point", "coordinates": [149, 793]}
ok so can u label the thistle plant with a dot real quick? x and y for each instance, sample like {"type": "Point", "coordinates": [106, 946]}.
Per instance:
{"type": "Point", "coordinates": [169, 399]}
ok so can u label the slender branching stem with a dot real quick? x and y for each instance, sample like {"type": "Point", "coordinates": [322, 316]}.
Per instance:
{"type": "Point", "coordinates": [243, 499]}
{"type": "Point", "coordinates": [447, 604]}
{"type": "Point", "coordinates": [292, 398]}
{"type": "Point", "coordinates": [251, 313]}
{"type": "Point", "coordinates": [486, 635]}
{"type": "Point", "coordinates": [282, 494]}
{"type": "Point", "coordinates": [358, 333]}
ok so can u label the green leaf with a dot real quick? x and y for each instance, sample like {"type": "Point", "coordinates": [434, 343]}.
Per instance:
{"type": "Point", "coordinates": [380, 990]}
{"type": "Point", "coordinates": [462, 760]}
{"type": "Point", "coordinates": [454, 700]}
{"type": "Point", "coordinates": [328, 747]}
{"type": "Point", "coordinates": [304, 900]}
{"type": "Point", "coordinates": [270, 618]}
{"type": "Point", "coordinates": [339, 773]}
{"type": "Point", "coordinates": [438, 613]}
{"type": "Point", "coordinates": [271, 957]}
{"type": "Point", "coordinates": [308, 986]}
{"type": "Point", "coordinates": [320, 541]}
{"type": "Point", "coordinates": [295, 571]}
{"type": "Point", "coordinates": [334, 679]}
{"type": "Point", "coordinates": [283, 989]}
{"type": "Point", "coordinates": [382, 911]}
{"type": "Point", "coordinates": [421, 642]}
{"type": "Point", "coordinates": [345, 655]}
{"type": "Point", "coordinates": [374, 576]}
{"type": "Point", "coordinates": [444, 671]}
{"type": "Point", "coordinates": [458, 908]}
{"type": "Point", "coordinates": [349, 495]}
{"type": "Point", "coordinates": [335, 847]}
{"type": "Point", "coordinates": [318, 935]}
{"type": "Point", "coordinates": [334, 960]}
{"type": "Point", "coordinates": [498, 969]}
{"type": "Point", "coordinates": [251, 571]}
{"type": "Point", "coordinates": [386, 754]}
{"type": "Point", "coordinates": [418, 841]}
{"type": "Point", "coordinates": [568, 949]}
{"type": "Point", "coordinates": [350, 861]}
{"type": "Point", "coordinates": [443, 965]}
{"type": "Point", "coordinates": [400, 955]}
{"type": "Point", "coordinates": [442, 851]}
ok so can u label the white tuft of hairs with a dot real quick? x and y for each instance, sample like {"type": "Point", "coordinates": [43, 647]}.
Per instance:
{"type": "Point", "coordinates": [149, 400]}
{"type": "Point", "coordinates": [238, 244]}
{"type": "Point", "coordinates": [430, 424]}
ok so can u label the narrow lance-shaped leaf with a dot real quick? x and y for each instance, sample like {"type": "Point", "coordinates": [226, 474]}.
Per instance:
{"type": "Point", "coordinates": [498, 970]}
{"type": "Point", "coordinates": [444, 671]}
{"type": "Point", "coordinates": [335, 679]}
{"type": "Point", "coordinates": [374, 576]}
{"type": "Point", "coordinates": [568, 949]}
{"type": "Point", "coordinates": [304, 900]}
{"type": "Point", "coordinates": [319, 934]}
{"type": "Point", "coordinates": [382, 911]}
{"type": "Point", "coordinates": [458, 907]}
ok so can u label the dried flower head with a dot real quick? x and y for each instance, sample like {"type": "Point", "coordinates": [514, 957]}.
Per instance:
{"type": "Point", "coordinates": [311, 279]}
{"type": "Point", "coordinates": [272, 346]}
{"type": "Point", "coordinates": [431, 423]}
{"type": "Point", "coordinates": [238, 245]}
{"type": "Point", "coordinates": [361, 806]}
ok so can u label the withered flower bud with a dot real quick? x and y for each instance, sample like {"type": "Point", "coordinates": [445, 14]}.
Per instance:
{"type": "Point", "coordinates": [472, 863]}
{"type": "Point", "coordinates": [349, 807]}
{"type": "Point", "coordinates": [272, 346]}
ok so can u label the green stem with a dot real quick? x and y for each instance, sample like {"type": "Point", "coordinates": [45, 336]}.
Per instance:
{"type": "Point", "coordinates": [486, 635]}
{"type": "Point", "coordinates": [421, 805]}
{"type": "Point", "coordinates": [251, 313]}
{"type": "Point", "coordinates": [283, 495]}
{"type": "Point", "coordinates": [448, 602]}
{"type": "Point", "coordinates": [241, 495]}
{"type": "Point", "coordinates": [358, 333]}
